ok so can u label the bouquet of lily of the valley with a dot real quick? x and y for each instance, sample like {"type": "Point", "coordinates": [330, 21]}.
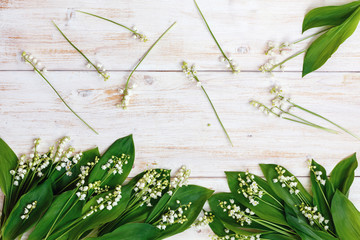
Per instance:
{"type": "Point", "coordinates": [280, 208]}
{"type": "Point", "coordinates": [60, 195]}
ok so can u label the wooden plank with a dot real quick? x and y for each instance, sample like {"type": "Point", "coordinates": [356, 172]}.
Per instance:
{"type": "Point", "coordinates": [240, 26]}
{"type": "Point", "coordinates": [169, 117]}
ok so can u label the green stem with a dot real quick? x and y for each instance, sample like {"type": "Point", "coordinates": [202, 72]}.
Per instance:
{"type": "Point", "coordinates": [318, 115]}
{"type": "Point", "coordinates": [82, 54]}
{"type": "Point", "coordinates": [213, 107]}
{"type": "Point", "coordinates": [311, 125]}
{"type": "Point", "coordinates": [287, 59]}
{"type": "Point", "coordinates": [58, 216]}
{"type": "Point", "coordinates": [60, 96]}
{"type": "Point", "coordinates": [312, 35]}
{"type": "Point", "coordinates": [91, 14]}
{"type": "Point", "coordinates": [143, 57]}
{"type": "Point", "coordinates": [213, 36]}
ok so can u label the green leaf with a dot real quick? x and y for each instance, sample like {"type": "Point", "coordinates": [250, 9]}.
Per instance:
{"type": "Point", "coordinates": [342, 176]}
{"type": "Point", "coordinates": [132, 231]}
{"type": "Point", "coordinates": [228, 221]}
{"type": "Point", "coordinates": [329, 15]}
{"type": "Point", "coordinates": [346, 217]}
{"type": "Point", "coordinates": [8, 161]}
{"type": "Point", "coordinates": [64, 209]}
{"type": "Point", "coordinates": [322, 193]}
{"type": "Point", "coordinates": [305, 231]}
{"type": "Point", "coordinates": [14, 225]}
{"type": "Point", "coordinates": [283, 192]}
{"type": "Point", "coordinates": [192, 193]}
{"type": "Point", "coordinates": [270, 206]}
{"type": "Point", "coordinates": [64, 182]}
{"type": "Point", "coordinates": [324, 46]}
{"type": "Point", "coordinates": [121, 146]}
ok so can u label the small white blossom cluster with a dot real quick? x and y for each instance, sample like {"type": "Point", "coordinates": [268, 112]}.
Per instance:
{"type": "Point", "coordinates": [109, 201]}
{"type": "Point", "coordinates": [286, 181]}
{"type": "Point", "coordinates": [126, 93]}
{"type": "Point", "coordinates": [235, 212]}
{"type": "Point", "coordinates": [181, 178]}
{"type": "Point", "coordinates": [317, 174]}
{"type": "Point", "coordinates": [28, 209]}
{"type": "Point", "coordinates": [272, 50]}
{"type": "Point", "coordinates": [236, 236]}
{"type": "Point", "coordinates": [151, 186]}
{"type": "Point", "coordinates": [101, 70]}
{"type": "Point", "coordinates": [65, 162]}
{"type": "Point", "coordinates": [37, 163]}
{"type": "Point", "coordinates": [313, 215]}
{"type": "Point", "coordinates": [190, 73]}
{"type": "Point", "coordinates": [138, 35]}
{"type": "Point", "coordinates": [204, 220]}
{"type": "Point", "coordinates": [115, 164]}
{"type": "Point", "coordinates": [278, 49]}
{"type": "Point", "coordinates": [230, 64]}
{"type": "Point", "coordinates": [171, 217]}
{"type": "Point", "coordinates": [60, 149]}
{"type": "Point", "coordinates": [250, 189]}
{"type": "Point", "coordinates": [269, 66]}
{"type": "Point", "coordinates": [34, 62]}
{"type": "Point", "coordinates": [261, 107]}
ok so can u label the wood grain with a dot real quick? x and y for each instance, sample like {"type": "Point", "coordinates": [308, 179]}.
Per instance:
{"type": "Point", "coordinates": [169, 115]}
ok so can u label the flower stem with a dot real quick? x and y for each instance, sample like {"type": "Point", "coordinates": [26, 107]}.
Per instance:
{"type": "Point", "coordinates": [318, 115]}
{"type": "Point", "coordinates": [91, 14]}
{"type": "Point", "coordinates": [103, 74]}
{"type": "Point", "coordinates": [213, 36]}
{"type": "Point", "coordinates": [39, 72]}
{"type": "Point", "coordinates": [143, 57]}
{"type": "Point", "coordinates": [287, 59]}
{"type": "Point", "coordinates": [213, 107]}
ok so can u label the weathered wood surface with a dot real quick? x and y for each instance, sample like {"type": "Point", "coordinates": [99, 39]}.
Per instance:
{"type": "Point", "coordinates": [169, 115]}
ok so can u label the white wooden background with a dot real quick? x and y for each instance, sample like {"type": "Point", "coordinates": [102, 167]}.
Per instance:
{"type": "Point", "coordinates": [169, 115]}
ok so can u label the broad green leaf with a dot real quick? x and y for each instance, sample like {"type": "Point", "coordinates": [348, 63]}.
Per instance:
{"type": "Point", "coordinates": [228, 221]}
{"type": "Point", "coordinates": [324, 46]}
{"type": "Point", "coordinates": [291, 199]}
{"type": "Point", "coordinates": [218, 227]}
{"type": "Point", "coordinates": [8, 161]}
{"type": "Point", "coordinates": [329, 15]}
{"type": "Point", "coordinates": [342, 176]}
{"type": "Point", "coordinates": [14, 225]}
{"type": "Point", "coordinates": [132, 231]}
{"type": "Point", "coordinates": [305, 231]}
{"type": "Point", "coordinates": [192, 193]}
{"type": "Point", "coordinates": [322, 193]}
{"type": "Point", "coordinates": [64, 209]}
{"type": "Point", "coordinates": [121, 146]}
{"type": "Point", "coordinates": [269, 207]}
{"type": "Point", "coordinates": [346, 217]}
{"type": "Point", "coordinates": [63, 182]}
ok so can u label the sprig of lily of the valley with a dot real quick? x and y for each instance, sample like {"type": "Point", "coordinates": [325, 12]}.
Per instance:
{"type": "Point", "coordinates": [191, 74]}
{"type": "Point", "coordinates": [224, 58]}
{"type": "Point", "coordinates": [98, 67]}
{"type": "Point", "coordinates": [126, 91]}
{"type": "Point", "coordinates": [28, 58]}
{"type": "Point", "coordinates": [134, 30]}
{"type": "Point", "coordinates": [340, 22]}
{"type": "Point", "coordinates": [282, 106]}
